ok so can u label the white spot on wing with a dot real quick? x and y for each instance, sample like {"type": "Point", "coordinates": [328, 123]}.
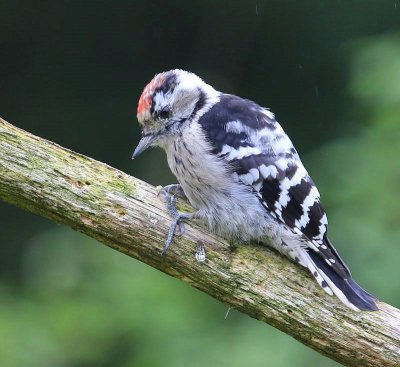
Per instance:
{"type": "Point", "coordinates": [282, 145]}
{"type": "Point", "coordinates": [247, 179]}
{"type": "Point", "coordinates": [257, 186]}
{"type": "Point", "coordinates": [235, 127]}
{"type": "Point", "coordinates": [270, 171]}
{"type": "Point", "coordinates": [322, 228]}
{"type": "Point", "coordinates": [239, 153]}
{"type": "Point", "coordinates": [255, 173]}
{"type": "Point", "coordinates": [308, 202]}
{"type": "Point", "coordinates": [285, 185]}
{"type": "Point", "coordinates": [282, 164]}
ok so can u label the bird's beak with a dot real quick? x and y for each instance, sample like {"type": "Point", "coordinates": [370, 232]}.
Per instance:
{"type": "Point", "coordinates": [144, 143]}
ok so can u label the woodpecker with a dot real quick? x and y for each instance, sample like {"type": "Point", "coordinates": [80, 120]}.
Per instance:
{"type": "Point", "coordinates": [242, 174]}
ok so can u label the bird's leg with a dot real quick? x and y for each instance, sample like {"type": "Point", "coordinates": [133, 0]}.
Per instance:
{"type": "Point", "coordinates": [169, 194]}
{"type": "Point", "coordinates": [177, 221]}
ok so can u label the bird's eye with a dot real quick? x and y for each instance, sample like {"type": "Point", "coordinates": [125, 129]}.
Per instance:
{"type": "Point", "coordinates": [164, 113]}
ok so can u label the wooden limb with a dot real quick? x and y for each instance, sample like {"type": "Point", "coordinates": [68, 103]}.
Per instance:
{"type": "Point", "coordinates": [127, 215]}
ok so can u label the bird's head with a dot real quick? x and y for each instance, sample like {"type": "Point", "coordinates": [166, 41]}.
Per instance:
{"type": "Point", "coordinates": [167, 103]}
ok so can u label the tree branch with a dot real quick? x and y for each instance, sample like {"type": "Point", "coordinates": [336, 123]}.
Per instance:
{"type": "Point", "coordinates": [126, 214]}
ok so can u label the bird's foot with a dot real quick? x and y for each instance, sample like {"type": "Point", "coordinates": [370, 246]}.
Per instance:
{"type": "Point", "coordinates": [169, 194]}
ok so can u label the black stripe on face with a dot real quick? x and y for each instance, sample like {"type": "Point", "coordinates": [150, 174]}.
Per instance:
{"type": "Point", "coordinates": [200, 103]}
{"type": "Point", "coordinates": [294, 210]}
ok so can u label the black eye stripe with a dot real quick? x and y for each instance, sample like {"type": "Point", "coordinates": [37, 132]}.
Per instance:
{"type": "Point", "coordinates": [164, 113]}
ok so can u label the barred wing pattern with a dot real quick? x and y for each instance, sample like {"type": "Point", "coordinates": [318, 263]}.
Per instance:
{"type": "Point", "coordinates": [261, 155]}
{"type": "Point", "coordinates": [249, 139]}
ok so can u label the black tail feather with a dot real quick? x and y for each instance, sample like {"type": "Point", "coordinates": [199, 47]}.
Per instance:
{"type": "Point", "coordinates": [350, 289]}
{"type": "Point", "coordinates": [359, 297]}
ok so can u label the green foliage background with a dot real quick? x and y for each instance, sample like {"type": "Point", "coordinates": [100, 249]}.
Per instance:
{"type": "Point", "coordinates": [72, 71]}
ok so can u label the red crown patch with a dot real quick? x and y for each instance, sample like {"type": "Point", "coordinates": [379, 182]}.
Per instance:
{"type": "Point", "coordinates": [147, 95]}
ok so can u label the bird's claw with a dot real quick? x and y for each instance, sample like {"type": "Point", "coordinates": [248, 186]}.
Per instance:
{"type": "Point", "coordinates": [169, 193]}
{"type": "Point", "coordinates": [177, 221]}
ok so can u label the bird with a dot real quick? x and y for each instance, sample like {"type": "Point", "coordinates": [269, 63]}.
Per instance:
{"type": "Point", "coordinates": [242, 174]}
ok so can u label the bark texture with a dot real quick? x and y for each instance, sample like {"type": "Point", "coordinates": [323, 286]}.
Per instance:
{"type": "Point", "coordinates": [127, 215]}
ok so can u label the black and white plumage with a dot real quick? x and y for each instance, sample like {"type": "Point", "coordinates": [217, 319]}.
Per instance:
{"type": "Point", "coordinates": [242, 173]}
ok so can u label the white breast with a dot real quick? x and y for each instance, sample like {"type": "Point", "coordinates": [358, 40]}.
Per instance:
{"type": "Point", "coordinates": [228, 207]}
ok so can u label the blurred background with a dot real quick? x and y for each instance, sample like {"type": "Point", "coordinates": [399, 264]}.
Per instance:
{"type": "Point", "coordinates": [72, 72]}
